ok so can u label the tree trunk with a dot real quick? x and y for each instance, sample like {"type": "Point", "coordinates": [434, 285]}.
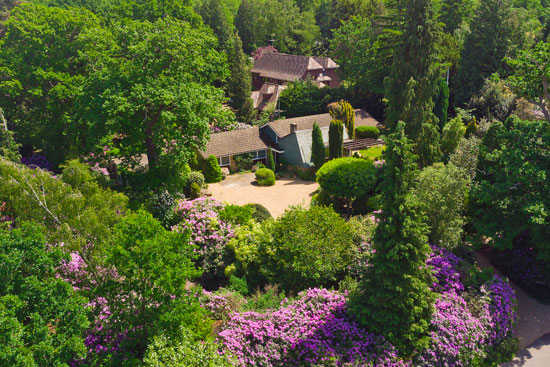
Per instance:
{"type": "Point", "coordinates": [152, 155]}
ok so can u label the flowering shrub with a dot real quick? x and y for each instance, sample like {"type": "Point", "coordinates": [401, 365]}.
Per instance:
{"type": "Point", "coordinates": [502, 310]}
{"type": "Point", "coordinates": [37, 161]}
{"type": "Point", "coordinates": [207, 232]}
{"type": "Point", "coordinates": [309, 331]}
{"type": "Point", "coordinates": [444, 264]}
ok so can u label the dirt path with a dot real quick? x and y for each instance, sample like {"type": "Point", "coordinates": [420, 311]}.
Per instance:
{"type": "Point", "coordinates": [241, 189]}
{"type": "Point", "coordinates": [533, 328]}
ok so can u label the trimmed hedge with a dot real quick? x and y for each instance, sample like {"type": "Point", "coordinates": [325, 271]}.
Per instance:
{"type": "Point", "coordinates": [213, 172]}
{"type": "Point", "coordinates": [363, 132]}
{"type": "Point", "coordinates": [265, 177]}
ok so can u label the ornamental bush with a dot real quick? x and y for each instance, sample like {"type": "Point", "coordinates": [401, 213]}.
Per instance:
{"type": "Point", "coordinates": [336, 139]}
{"type": "Point", "coordinates": [265, 177]}
{"type": "Point", "coordinates": [212, 172]}
{"type": "Point", "coordinates": [259, 212]}
{"type": "Point", "coordinates": [363, 132]}
{"type": "Point", "coordinates": [195, 177]}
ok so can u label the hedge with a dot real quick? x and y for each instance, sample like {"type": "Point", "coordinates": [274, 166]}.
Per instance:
{"type": "Point", "coordinates": [363, 132]}
{"type": "Point", "coordinates": [265, 177]}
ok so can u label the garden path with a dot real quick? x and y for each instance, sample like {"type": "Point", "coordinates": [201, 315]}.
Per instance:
{"type": "Point", "coordinates": [533, 328]}
{"type": "Point", "coordinates": [240, 189]}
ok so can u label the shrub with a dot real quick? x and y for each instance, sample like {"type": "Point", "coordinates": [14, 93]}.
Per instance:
{"type": "Point", "coordinates": [453, 131]}
{"type": "Point", "coordinates": [212, 172]}
{"type": "Point", "coordinates": [195, 177]}
{"type": "Point", "coordinates": [344, 112]}
{"type": "Point", "coordinates": [347, 179]}
{"type": "Point", "coordinates": [194, 190]}
{"type": "Point", "coordinates": [265, 177]}
{"type": "Point", "coordinates": [236, 215]}
{"type": "Point", "coordinates": [308, 247]}
{"type": "Point", "coordinates": [244, 161]}
{"type": "Point", "coordinates": [363, 132]}
{"type": "Point", "coordinates": [259, 212]}
{"type": "Point", "coordinates": [161, 205]}
{"type": "Point", "coordinates": [270, 161]}
{"type": "Point", "coordinates": [336, 139]}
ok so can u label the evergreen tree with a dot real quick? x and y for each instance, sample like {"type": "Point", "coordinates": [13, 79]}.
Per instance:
{"type": "Point", "coordinates": [270, 161]}
{"type": "Point", "coordinates": [9, 149]}
{"type": "Point", "coordinates": [213, 14]}
{"type": "Point", "coordinates": [484, 48]}
{"type": "Point", "coordinates": [394, 298]}
{"type": "Point", "coordinates": [441, 102]}
{"type": "Point", "coordinates": [344, 112]}
{"type": "Point", "coordinates": [454, 12]}
{"type": "Point", "coordinates": [336, 139]}
{"type": "Point", "coordinates": [244, 22]}
{"type": "Point", "coordinates": [413, 78]}
{"type": "Point", "coordinates": [317, 146]}
{"type": "Point", "coordinates": [239, 84]}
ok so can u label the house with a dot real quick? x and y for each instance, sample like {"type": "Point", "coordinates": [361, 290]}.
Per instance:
{"type": "Point", "coordinates": [272, 71]}
{"type": "Point", "coordinates": [289, 139]}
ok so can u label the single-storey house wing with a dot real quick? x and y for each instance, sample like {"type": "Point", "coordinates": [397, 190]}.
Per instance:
{"type": "Point", "coordinates": [289, 139]}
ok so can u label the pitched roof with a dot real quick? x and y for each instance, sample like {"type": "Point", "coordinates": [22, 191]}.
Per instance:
{"type": "Point", "coordinates": [234, 142]}
{"type": "Point", "coordinates": [282, 127]}
{"type": "Point", "coordinates": [289, 67]}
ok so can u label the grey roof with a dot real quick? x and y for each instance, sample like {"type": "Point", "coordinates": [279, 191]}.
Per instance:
{"type": "Point", "coordinates": [282, 127]}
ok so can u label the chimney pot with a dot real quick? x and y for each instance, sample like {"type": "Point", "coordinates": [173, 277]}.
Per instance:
{"type": "Point", "coordinates": [293, 128]}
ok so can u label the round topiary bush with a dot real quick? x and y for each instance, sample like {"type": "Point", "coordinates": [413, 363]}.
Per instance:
{"type": "Point", "coordinates": [259, 212]}
{"type": "Point", "coordinates": [213, 172]}
{"type": "Point", "coordinates": [363, 132]}
{"type": "Point", "coordinates": [195, 177]}
{"type": "Point", "coordinates": [265, 177]}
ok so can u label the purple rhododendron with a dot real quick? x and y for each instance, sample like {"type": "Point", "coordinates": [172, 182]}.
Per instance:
{"type": "Point", "coordinates": [444, 264]}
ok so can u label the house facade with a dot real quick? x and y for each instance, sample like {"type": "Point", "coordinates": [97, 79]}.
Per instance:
{"type": "Point", "coordinates": [289, 139]}
{"type": "Point", "coordinates": [272, 71]}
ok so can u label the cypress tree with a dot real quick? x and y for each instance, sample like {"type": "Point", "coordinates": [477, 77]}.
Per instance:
{"type": "Point", "coordinates": [317, 146]}
{"type": "Point", "coordinates": [212, 172]}
{"type": "Point", "coordinates": [336, 139]}
{"type": "Point", "coordinates": [484, 48]}
{"type": "Point", "coordinates": [441, 102]}
{"type": "Point", "coordinates": [270, 161]}
{"type": "Point", "coordinates": [343, 111]}
{"type": "Point", "coordinates": [413, 78]}
{"type": "Point", "coordinates": [239, 84]}
{"type": "Point", "coordinates": [394, 298]}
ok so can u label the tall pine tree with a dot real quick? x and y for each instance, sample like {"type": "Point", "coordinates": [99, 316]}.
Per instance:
{"type": "Point", "coordinates": [394, 298]}
{"type": "Point", "coordinates": [239, 84]}
{"type": "Point", "coordinates": [317, 146]}
{"type": "Point", "coordinates": [413, 79]}
{"type": "Point", "coordinates": [213, 14]}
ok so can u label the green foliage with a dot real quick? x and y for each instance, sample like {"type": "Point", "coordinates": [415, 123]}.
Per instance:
{"type": "Point", "coordinates": [484, 48]}
{"type": "Point", "coordinates": [413, 79]}
{"type": "Point", "coordinates": [265, 177]}
{"type": "Point", "coordinates": [244, 161]}
{"type": "Point", "coordinates": [213, 14]}
{"type": "Point", "coordinates": [394, 298]}
{"type": "Point", "coordinates": [270, 160]}
{"type": "Point", "coordinates": [362, 132]}
{"type": "Point", "coordinates": [73, 209]}
{"type": "Point", "coordinates": [212, 172]}
{"type": "Point", "coordinates": [373, 154]}
{"type": "Point", "coordinates": [42, 320]}
{"type": "Point", "coordinates": [511, 197]}
{"type": "Point", "coordinates": [465, 155]}
{"type": "Point", "coordinates": [259, 212]}
{"type": "Point", "coordinates": [453, 131]}
{"type": "Point", "coordinates": [347, 179]}
{"type": "Point", "coordinates": [343, 111]}
{"type": "Point", "coordinates": [456, 12]}
{"type": "Point", "coordinates": [195, 177]}
{"type": "Point", "coordinates": [301, 98]}
{"type": "Point", "coordinates": [317, 146]}
{"type": "Point", "coordinates": [360, 52]}
{"type": "Point", "coordinates": [336, 139]}
{"type": "Point", "coordinates": [239, 83]}
{"type": "Point", "coordinates": [161, 205]}
{"type": "Point", "coordinates": [495, 100]}
{"type": "Point", "coordinates": [441, 191]}
{"type": "Point", "coordinates": [185, 351]}
{"type": "Point", "coordinates": [530, 75]}
{"type": "Point", "coordinates": [236, 215]}
{"type": "Point", "coordinates": [309, 248]}
{"type": "Point", "coordinates": [332, 13]}
{"type": "Point", "coordinates": [149, 298]}
{"type": "Point", "coordinates": [194, 190]}
{"type": "Point", "coordinates": [9, 149]}
{"type": "Point", "coordinates": [441, 102]}
{"type": "Point", "coordinates": [471, 129]}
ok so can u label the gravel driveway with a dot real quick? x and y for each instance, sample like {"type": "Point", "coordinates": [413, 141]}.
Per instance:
{"type": "Point", "coordinates": [242, 189]}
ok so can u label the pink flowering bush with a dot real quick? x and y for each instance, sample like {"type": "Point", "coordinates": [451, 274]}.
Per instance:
{"type": "Point", "coordinates": [209, 233]}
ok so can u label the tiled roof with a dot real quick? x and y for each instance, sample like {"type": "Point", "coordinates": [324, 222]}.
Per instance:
{"type": "Point", "coordinates": [289, 67]}
{"type": "Point", "coordinates": [234, 142]}
{"type": "Point", "coordinates": [282, 127]}
{"type": "Point", "coordinates": [269, 93]}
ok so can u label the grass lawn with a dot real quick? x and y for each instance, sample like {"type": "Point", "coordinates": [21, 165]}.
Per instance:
{"type": "Point", "coordinates": [372, 153]}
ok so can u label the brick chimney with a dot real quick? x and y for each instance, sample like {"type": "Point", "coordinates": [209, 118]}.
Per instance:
{"type": "Point", "coordinates": [293, 128]}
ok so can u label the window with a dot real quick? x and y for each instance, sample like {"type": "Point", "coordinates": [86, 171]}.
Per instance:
{"type": "Point", "coordinates": [223, 161]}
{"type": "Point", "coordinates": [261, 154]}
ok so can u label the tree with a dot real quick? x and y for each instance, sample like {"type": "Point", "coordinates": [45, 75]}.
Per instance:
{"type": "Point", "coordinates": [343, 111]}
{"type": "Point", "coordinates": [244, 22]}
{"type": "Point", "coordinates": [413, 79]}
{"type": "Point", "coordinates": [451, 135]}
{"type": "Point", "coordinates": [455, 12]}
{"type": "Point", "coordinates": [336, 139]}
{"type": "Point", "coordinates": [484, 48]}
{"type": "Point", "coordinates": [301, 98]}
{"type": "Point", "coordinates": [239, 83]}
{"type": "Point", "coordinates": [270, 161]}
{"type": "Point", "coordinates": [494, 100]}
{"type": "Point", "coordinates": [213, 14]}
{"type": "Point", "coordinates": [155, 95]}
{"type": "Point", "coordinates": [149, 298]}
{"type": "Point", "coordinates": [317, 146]}
{"type": "Point", "coordinates": [441, 102]}
{"type": "Point", "coordinates": [212, 172]}
{"type": "Point", "coordinates": [531, 76]}
{"type": "Point", "coordinates": [347, 179]}
{"type": "Point", "coordinates": [394, 298]}
{"type": "Point", "coordinates": [42, 319]}
{"type": "Point", "coordinates": [332, 13]}
{"type": "Point", "coordinates": [9, 149]}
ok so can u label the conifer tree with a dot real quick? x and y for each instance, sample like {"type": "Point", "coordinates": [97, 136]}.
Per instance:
{"type": "Point", "coordinates": [336, 139]}
{"type": "Point", "coordinates": [317, 146]}
{"type": "Point", "coordinates": [413, 78]}
{"type": "Point", "coordinates": [394, 298]}
{"type": "Point", "coordinates": [213, 14]}
{"type": "Point", "coordinates": [441, 101]}
{"type": "Point", "coordinates": [239, 84]}
{"type": "Point", "coordinates": [270, 161]}
{"type": "Point", "coordinates": [344, 112]}
{"type": "Point", "coordinates": [244, 22]}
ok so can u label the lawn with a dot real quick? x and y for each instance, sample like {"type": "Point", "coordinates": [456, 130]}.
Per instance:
{"type": "Point", "coordinates": [372, 153]}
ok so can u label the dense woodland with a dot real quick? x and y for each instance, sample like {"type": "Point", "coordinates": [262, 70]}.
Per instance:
{"type": "Point", "coordinates": [109, 261]}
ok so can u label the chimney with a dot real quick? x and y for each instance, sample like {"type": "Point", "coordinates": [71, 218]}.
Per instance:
{"type": "Point", "coordinates": [293, 128]}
